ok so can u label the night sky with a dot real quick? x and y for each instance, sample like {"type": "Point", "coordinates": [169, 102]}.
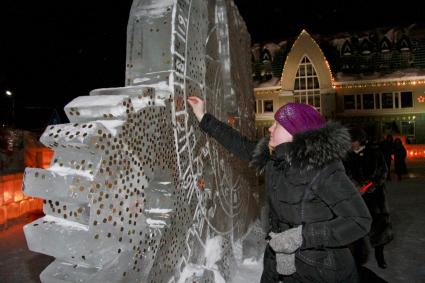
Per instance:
{"type": "Point", "coordinates": [51, 53]}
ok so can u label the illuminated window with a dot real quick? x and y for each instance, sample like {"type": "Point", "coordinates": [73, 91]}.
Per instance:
{"type": "Point", "coordinates": [387, 100]}
{"type": "Point", "coordinates": [404, 43]}
{"type": "Point", "coordinates": [349, 103]}
{"type": "Point", "coordinates": [307, 87]}
{"type": "Point", "coordinates": [268, 106]}
{"type": "Point", "coordinates": [408, 130]}
{"type": "Point", "coordinates": [385, 45]}
{"type": "Point", "coordinates": [371, 101]}
{"type": "Point", "coordinates": [368, 101]}
{"type": "Point", "coordinates": [266, 59]}
{"type": "Point", "coordinates": [366, 47]}
{"type": "Point", "coordinates": [406, 99]}
{"type": "Point", "coordinates": [346, 49]}
{"type": "Point", "coordinates": [264, 106]}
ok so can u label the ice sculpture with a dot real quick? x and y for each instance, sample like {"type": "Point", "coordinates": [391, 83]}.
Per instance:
{"type": "Point", "coordinates": [135, 192]}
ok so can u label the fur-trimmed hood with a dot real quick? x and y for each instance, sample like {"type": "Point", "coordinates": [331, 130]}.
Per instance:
{"type": "Point", "coordinates": [309, 150]}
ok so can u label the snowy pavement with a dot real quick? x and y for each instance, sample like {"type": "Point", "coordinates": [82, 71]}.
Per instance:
{"type": "Point", "coordinates": [405, 255]}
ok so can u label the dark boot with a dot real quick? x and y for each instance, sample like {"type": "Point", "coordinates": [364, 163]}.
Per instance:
{"type": "Point", "coordinates": [379, 255]}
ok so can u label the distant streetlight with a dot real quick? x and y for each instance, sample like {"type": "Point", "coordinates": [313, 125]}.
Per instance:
{"type": "Point", "coordinates": [10, 94]}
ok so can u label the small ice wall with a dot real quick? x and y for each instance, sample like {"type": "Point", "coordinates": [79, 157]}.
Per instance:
{"type": "Point", "coordinates": [135, 191]}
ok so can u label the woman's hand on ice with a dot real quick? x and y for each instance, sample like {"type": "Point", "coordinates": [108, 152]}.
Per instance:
{"type": "Point", "coordinates": [198, 106]}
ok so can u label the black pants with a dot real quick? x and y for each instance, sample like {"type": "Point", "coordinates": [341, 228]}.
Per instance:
{"type": "Point", "coordinates": [269, 267]}
{"type": "Point", "coordinates": [305, 272]}
{"type": "Point", "coordinates": [379, 254]}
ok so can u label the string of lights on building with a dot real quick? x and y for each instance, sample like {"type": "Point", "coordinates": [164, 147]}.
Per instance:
{"type": "Point", "coordinates": [378, 84]}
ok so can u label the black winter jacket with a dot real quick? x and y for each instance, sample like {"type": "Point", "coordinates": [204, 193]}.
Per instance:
{"type": "Point", "coordinates": [334, 214]}
{"type": "Point", "coordinates": [367, 165]}
{"type": "Point", "coordinates": [362, 167]}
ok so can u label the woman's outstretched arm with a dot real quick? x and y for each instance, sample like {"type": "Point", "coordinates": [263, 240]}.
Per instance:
{"type": "Point", "coordinates": [227, 136]}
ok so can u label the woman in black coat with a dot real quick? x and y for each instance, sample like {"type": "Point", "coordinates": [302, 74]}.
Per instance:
{"type": "Point", "coordinates": [400, 154]}
{"type": "Point", "coordinates": [315, 210]}
{"type": "Point", "coordinates": [365, 165]}
{"type": "Point", "coordinates": [387, 147]}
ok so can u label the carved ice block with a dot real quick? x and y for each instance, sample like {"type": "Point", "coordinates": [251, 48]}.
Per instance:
{"type": "Point", "coordinates": [51, 235]}
{"type": "Point", "coordinates": [135, 191]}
{"type": "Point", "coordinates": [46, 184]}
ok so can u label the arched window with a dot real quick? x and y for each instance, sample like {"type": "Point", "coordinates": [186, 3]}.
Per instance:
{"type": "Point", "coordinates": [306, 87]}
{"type": "Point", "coordinates": [346, 49]}
{"type": "Point", "coordinates": [266, 56]}
{"type": "Point", "coordinates": [366, 47]}
{"type": "Point", "coordinates": [266, 60]}
{"type": "Point", "coordinates": [385, 45]}
{"type": "Point", "coordinates": [404, 44]}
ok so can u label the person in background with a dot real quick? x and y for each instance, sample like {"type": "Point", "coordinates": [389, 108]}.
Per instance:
{"type": "Point", "coordinates": [400, 154]}
{"type": "Point", "coordinates": [366, 167]}
{"type": "Point", "coordinates": [387, 146]}
{"type": "Point", "coordinates": [315, 211]}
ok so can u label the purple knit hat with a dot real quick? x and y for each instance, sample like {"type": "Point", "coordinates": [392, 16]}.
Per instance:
{"type": "Point", "coordinates": [299, 117]}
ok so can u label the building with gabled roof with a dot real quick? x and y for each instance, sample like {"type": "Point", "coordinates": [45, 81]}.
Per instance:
{"type": "Point", "coordinates": [374, 79]}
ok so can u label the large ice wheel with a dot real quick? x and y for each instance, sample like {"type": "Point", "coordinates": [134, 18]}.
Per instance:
{"type": "Point", "coordinates": [135, 192]}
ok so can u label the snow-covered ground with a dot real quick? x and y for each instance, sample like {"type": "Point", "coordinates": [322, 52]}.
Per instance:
{"type": "Point", "coordinates": [405, 255]}
{"type": "Point", "coordinates": [249, 271]}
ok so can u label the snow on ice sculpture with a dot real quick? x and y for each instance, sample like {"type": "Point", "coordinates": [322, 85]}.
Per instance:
{"type": "Point", "coordinates": [135, 192]}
